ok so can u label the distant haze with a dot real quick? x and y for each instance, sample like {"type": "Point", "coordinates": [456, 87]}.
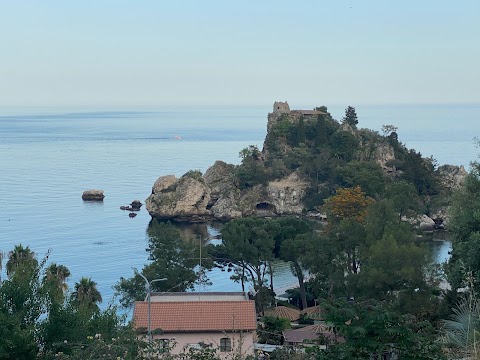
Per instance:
{"type": "Point", "coordinates": [149, 53]}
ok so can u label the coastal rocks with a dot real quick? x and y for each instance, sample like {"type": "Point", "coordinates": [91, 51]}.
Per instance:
{"type": "Point", "coordinates": [426, 223]}
{"type": "Point", "coordinates": [163, 183]}
{"type": "Point", "coordinates": [134, 206]}
{"type": "Point", "coordinates": [452, 176]}
{"type": "Point", "coordinates": [280, 197]}
{"type": "Point", "coordinates": [93, 195]}
{"type": "Point", "coordinates": [195, 198]}
{"type": "Point", "coordinates": [183, 199]}
{"type": "Point", "coordinates": [383, 154]}
{"type": "Point", "coordinates": [219, 177]}
{"type": "Point", "coordinates": [286, 194]}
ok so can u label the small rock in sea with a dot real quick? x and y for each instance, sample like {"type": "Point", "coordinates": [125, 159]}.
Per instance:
{"type": "Point", "coordinates": [93, 195]}
{"type": "Point", "coordinates": [132, 215]}
{"type": "Point", "coordinates": [123, 208]}
{"type": "Point", "coordinates": [136, 205]}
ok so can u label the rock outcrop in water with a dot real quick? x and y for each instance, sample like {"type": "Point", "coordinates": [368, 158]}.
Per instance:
{"type": "Point", "coordinates": [216, 196]}
{"type": "Point", "coordinates": [93, 195]}
{"type": "Point", "coordinates": [183, 199]}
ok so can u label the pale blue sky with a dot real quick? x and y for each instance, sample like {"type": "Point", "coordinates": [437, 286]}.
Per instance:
{"type": "Point", "coordinates": [179, 52]}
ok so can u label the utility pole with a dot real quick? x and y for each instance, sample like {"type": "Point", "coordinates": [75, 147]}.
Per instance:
{"type": "Point", "coordinates": [148, 287]}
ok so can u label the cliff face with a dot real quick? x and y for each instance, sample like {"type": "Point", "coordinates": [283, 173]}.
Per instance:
{"type": "Point", "coordinates": [215, 196]}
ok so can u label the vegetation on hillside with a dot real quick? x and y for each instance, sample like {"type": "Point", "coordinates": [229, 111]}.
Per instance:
{"type": "Point", "coordinates": [329, 154]}
{"type": "Point", "coordinates": [378, 288]}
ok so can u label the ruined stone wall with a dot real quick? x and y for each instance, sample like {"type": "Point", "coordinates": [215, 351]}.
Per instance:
{"type": "Point", "coordinates": [281, 107]}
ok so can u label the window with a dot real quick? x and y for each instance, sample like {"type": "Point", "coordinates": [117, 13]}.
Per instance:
{"type": "Point", "coordinates": [225, 345]}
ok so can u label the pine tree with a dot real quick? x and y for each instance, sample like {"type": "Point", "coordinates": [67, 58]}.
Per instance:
{"type": "Point", "coordinates": [350, 116]}
{"type": "Point", "coordinates": [300, 132]}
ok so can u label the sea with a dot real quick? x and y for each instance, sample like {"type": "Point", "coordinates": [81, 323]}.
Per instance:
{"type": "Point", "coordinates": [49, 156]}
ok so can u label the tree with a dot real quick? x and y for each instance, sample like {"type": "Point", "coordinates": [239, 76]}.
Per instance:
{"type": "Point", "coordinates": [171, 257]}
{"type": "Point", "coordinates": [56, 276]}
{"type": "Point", "coordinates": [250, 153]}
{"type": "Point", "coordinates": [368, 175]}
{"type": "Point", "coordinates": [20, 256]}
{"type": "Point", "coordinates": [389, 268]}
{"type": "Point", "coordinates": [321, 133]}
{"type": "Point", "coordinates": [325, 261]}
{"type": "Point", "coordinates": [343, 145]}
{"type": "Point", "coordinates": [372, 330]}
{"type": "Point", "coordinates": [403, 196]}
{"type": "Point", "coordinates": [249, 244]}
{"type": "Point", "coordinates": [292, 250]}
{"type": "Point", "coordinates": [388, 129]}
{"type": "Point", "coordinates": [300, 139]}
{"type": "Point", "coordinates": [462, 331]}
{"type": "Point", "coordinates": [465, 230]}
{"type": "Point", "coordinates": [251, 171]}
{"type": "Point", "coordinates": [350, 117]}
{"type": "Point", "coordinates": [38, 324]}
{"type": "Point", "coordinates": [86, 294]}
{"type": "Point", "coordinates": [420, 172]}
{"type": "Point", "coordinates": [271, 330]}
{"type": "Point", "coordinates": [347, 203]}
{"type": "Point", "coordinates": [22, 303]}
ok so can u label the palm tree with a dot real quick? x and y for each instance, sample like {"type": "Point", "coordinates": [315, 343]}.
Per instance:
{"type": "Point", "coordinates": [20, 256]}
{"type": "Point", "coordinates": [86, 294]}
{"type": "Point", "coordinates": [463, 330]}
{"type": "Point", "coordinates": [56, 276]}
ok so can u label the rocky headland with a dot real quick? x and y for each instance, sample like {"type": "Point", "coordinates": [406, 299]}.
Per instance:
{"type": "Point", "coordinates": [305, 156]}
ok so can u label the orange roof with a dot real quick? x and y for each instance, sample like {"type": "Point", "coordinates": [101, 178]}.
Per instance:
{"type": "Point", "coordinates": [194, 316]}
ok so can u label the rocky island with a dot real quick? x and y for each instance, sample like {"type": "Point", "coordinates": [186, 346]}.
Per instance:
{"type": "Point", "coordinates": [306, 156]}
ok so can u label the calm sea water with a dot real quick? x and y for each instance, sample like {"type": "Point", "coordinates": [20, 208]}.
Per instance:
{"type": "Point", "coordinates": [49, 157]}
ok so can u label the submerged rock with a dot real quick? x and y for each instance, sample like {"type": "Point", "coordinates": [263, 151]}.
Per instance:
{"type": "Point", "coordinates": [93, 195]}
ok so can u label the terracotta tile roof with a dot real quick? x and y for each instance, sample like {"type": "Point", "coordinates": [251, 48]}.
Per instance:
{"type": "Point", "coordinates": [194, 316]}
{"type": "Point", "coordinates": [309, 112]}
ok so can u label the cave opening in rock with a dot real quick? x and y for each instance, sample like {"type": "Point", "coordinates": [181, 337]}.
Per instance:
{"type": "Point", "coordinates": [265, 206]}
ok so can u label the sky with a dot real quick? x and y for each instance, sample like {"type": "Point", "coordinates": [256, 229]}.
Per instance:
{"type": "Point", "coordinates": [201, 52]}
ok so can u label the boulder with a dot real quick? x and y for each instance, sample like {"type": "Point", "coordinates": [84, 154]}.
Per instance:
{"type": "Point", "coordinates": [425, 223]}
{"type": "Point", "coordinates": [185, 199]}
{"type": "Point", "coordinates": [163, 183]}
{"type": "Point", "coordinates": [136, 205]}
{"type": "Point", "coordinates": [220, 178]}
{"type": "Point", "coordinates": [452, 176]}
{"type": "Point", "coordinates": [93, 195]}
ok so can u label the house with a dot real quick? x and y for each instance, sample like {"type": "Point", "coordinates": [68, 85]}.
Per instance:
{"type": "Point", "coordinates": [224, 321]}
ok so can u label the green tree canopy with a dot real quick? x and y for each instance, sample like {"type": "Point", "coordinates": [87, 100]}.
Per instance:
{"type": "Point", "coordinates": [465, 229]}
{"type": "Point", "coordinates": [350, 116]}
{"type": "Point", "coordinates": [172, 258]}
